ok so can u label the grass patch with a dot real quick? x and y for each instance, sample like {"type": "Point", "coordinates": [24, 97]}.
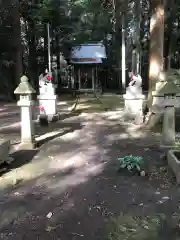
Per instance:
{"type": "Point", "coordinates": [103, 103]}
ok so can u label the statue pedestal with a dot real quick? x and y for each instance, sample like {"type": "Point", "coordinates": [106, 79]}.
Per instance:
{"type": "Point", "coordinates": [48, 102]}
{"type": "Point", "coordinates": [133, 103]}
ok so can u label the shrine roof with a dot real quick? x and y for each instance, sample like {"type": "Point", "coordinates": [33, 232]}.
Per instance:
{"type": "Point", "coordinates": [88, 53]}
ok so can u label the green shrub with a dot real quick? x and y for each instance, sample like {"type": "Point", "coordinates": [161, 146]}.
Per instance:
{"type": "Point", "coordinates": [131, 163]}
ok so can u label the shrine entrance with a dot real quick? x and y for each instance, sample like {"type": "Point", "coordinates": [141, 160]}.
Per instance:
{"type": "Point", "coordinates": [86, 60]}
{"type": "Point", "coordinates": [87, 77]}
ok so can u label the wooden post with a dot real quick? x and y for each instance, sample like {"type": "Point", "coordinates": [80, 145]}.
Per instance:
{"type": "Point", "coordinates": [123, 52]}
{"type": "Point", "coordinates": [49, 47]}
{"type": "Point", "coordinates": [79, 78]}
{"type": "Point", "coordinates": [96, 77]}
{"type": "Point", "coordinates": [93, 79]}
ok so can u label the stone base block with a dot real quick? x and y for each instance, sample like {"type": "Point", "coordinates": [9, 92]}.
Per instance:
{"type": "Point", "coordinates": [49, 104]}
{"type": "Point", "coordinates": [53, 118]}
{"type": "Point", "coordinates": [4, 150]}
{"type": "Point", "coordinates": [133, 106]}
{"type": "Point", "coordinates": [45, 119]}
{"type": "Point", "coordinates": [174, 163]}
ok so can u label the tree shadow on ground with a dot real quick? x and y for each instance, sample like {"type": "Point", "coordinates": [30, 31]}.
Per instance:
{"type": "Point", "coordinates": [21, 157]}
{"type": "Point", "coordinates": [54, 129]}
{"type": "Point", "coordinates": [69, 115]}
{"type": "Point", "coordinates": [80, 189]}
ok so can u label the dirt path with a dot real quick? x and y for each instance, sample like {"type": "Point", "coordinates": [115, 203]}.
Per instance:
{"type": "Point", "coordinates": [70, 187]}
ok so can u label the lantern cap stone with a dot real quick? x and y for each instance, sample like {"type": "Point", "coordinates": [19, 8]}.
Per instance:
{"type": "Point", "coordinates": [169, 88]}
{"type": "Point", "coordinates": [24, 87]}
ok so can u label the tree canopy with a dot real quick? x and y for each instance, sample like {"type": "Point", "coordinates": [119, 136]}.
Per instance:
{"type": "Point", "coordinates": [23, 30]}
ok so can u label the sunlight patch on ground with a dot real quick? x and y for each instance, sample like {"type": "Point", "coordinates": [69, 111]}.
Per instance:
{"type": "Point", "coordinates": [85, 160]}
{"type": "Point", "coordinates": [84, 156]}
{"type": "Point", "coordinates": [50, 134]}
{"type": "Point", "coordinates": [3, 109]}
{"type": "Point", "coordinates": [78, 176]}
{"type": "Point", "coordinates": [91, 103]}
{"type": "Point", "coordinates": [66, 162]}
{"type": "Point", "coordinates": [79, 136]}
{"type": "Point", "coordinates": [7, 126]}
{"type": "Point", "coordinates": [71, 136]}
{"type": "Point", "coordinates": [50, 185]}
{"type": "Point", "coordinates": [24, 173]}
{"type": "Point", "coordinates": [134, 132]}
{"type": "Point", "coordinates": [113, 115]}
{"type": "Point", "coordinates": [61, 103]}
{"type": "Point", "coordinates": [117, 136]}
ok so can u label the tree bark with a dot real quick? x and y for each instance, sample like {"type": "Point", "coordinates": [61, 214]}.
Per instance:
{"type": "Point", "coordinates": [17, 43]}
{"type": "Point", "coordinates": [123, 55]}
{"type": "Point", "coordinates": [32, 59]}
{"type": "Point", "coordinates": [168, 34]}
{"type": "Point", "coordinates": [136, 39]}
{"type": "Point", "coordinates": [58, 61]}
{"type": "Point", "coordinates": [156, 45]}
{"type": "Point", "coordinates": [118, 39]}
{"type": "Point", "coordinates": [45, 47]}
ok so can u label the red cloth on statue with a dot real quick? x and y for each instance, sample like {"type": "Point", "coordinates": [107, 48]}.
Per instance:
{"type": "Point", "coordinates": [48, 77]}
{"type": "Point", "coordinates": [131, 76]}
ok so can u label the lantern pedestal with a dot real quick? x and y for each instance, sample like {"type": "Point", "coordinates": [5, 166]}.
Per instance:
{"type": "Point", "coordinates": [164, 102]}
{"type": "Point", "coordinates": [27, 124]}
{"type": "Point", "coordinates": [168, 129]}
{"type": "Point", "coordinates": [157, 103]}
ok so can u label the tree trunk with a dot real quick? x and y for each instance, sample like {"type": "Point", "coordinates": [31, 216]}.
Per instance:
{"type": "Point", "coordinates": [136, 39]}
{"type": "Point", "coordinates": [17, 43]}
{"type": "Point", "coordinates": [168, 34]}
{"type": "Point", "coordinates": [58, 61]}
{"type": "Point", "coordinates": [123, 55]}
{"type": "Point", "coordinates": [117, 39]}
{"type": "Point", "coordinates": [156, 45]}
{"type": "Point", "coordinates": [45, 47]}
{"type": "Point", "coordinates": [32, 59]}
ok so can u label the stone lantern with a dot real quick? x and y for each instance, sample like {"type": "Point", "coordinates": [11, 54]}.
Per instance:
{"type": "Point", "coordinates": [25, 91]}
{"type": "Point", "coordinates": [169, 91]}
